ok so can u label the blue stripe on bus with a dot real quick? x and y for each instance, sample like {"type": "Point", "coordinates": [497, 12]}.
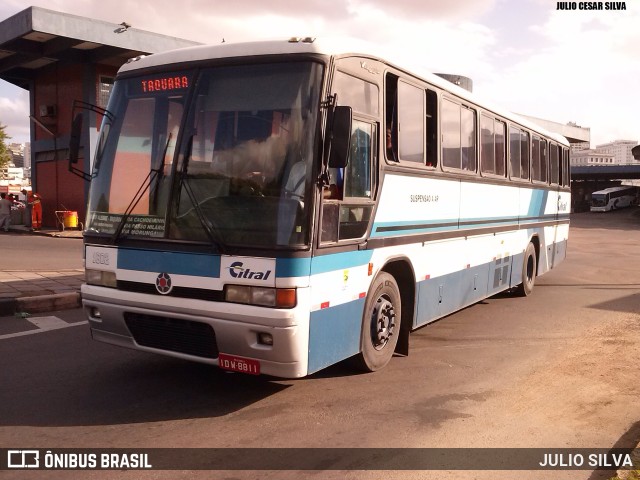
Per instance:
{"type": "Point", "coordinates": [338, 261]}
{"type": "Point", "coordinates": [381, 229]}
{"type": "Point", "coordinates": [177, 263]}
{"type": "Point", "coordinates": [293, 267]}
{"type": "Point", "coordinates": [334, 334]}
{"type": "Point", "coordinates": [202, 265]}
{"type": "Point", "coordinates": [538, 203]}
{"type": "Point", "coordinates": [300, 267]}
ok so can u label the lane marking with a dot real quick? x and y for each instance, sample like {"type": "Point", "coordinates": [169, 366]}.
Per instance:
{"type": "Point", "coordinates": [47, 323]}
{"type": "Point", "coordinates": [44, 324]}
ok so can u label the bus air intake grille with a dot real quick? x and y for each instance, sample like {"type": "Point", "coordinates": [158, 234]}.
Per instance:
{"type": "Point", "coordinates": [182, 292]}
{"type": "Point", "coordinates": [181, 336]}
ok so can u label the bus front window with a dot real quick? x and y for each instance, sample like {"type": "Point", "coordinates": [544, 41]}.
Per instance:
{"type": "Point", "coordinates": [599, 200]}
{"type": "Point", "coordinates": [233, 168]}
{"type": "Point", "coordinates": [246, 175]}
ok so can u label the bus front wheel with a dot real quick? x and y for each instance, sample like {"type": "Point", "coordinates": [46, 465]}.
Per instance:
{"type": "Point", "coordinates": [529, 269]}
{"type": "Point", "coordinates": [380, 324]}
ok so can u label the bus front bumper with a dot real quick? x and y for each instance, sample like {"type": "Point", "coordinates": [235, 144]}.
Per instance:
{"type": "Point", "coordinates": [177, 327]}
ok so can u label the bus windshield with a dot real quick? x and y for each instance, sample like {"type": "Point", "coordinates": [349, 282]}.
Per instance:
{"type": "Point", "coordinates": [599, 199]}
{"type": "Point", "coordinates": [223, 155]}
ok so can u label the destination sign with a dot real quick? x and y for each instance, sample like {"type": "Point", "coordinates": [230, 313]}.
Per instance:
{"type": "Point", "coordinates": [164, 84]}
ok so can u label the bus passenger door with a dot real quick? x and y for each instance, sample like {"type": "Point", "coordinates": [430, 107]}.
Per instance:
{"type": "Point", "coordinates": [555, 170]}
{"type": "Point", "coordinates": [564, 208]}
{"type": "Point", "coordinates": [347, 202]}
{"type": "Point", "coordinates": [339, 286]}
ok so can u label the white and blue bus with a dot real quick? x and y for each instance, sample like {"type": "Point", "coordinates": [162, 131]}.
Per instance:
{"type": "Point", "coordinates": [278, 207]}
{"type": "Point", "coordinates": [613, 198]}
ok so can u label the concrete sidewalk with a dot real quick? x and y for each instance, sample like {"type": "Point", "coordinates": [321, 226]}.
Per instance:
{"type": "Point", "coordinates": [50, 232]}
{"type": "Point", "coordinates": [40, 291]}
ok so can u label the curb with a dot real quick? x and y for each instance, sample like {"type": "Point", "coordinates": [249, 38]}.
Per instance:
{"type": "Point", "coordinates": [47, 233]}
{"type": "Point", "coordinates": [40, 304]}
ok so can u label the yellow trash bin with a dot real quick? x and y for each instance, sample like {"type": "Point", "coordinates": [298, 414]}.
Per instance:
{"type": "Point", "coordinates": [70, 219]}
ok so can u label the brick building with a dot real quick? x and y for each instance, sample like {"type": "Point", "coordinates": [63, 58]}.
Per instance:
{"type": "Point", "coordinates": [60, 58]}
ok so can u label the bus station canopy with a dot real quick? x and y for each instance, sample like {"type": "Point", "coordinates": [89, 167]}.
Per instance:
{"type": "Point", "coordinates": [37, 37]}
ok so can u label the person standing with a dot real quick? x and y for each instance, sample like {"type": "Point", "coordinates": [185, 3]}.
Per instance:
{"type": "Point", "coordinates": [27, 215]}
{"type": "Point", "coordinates": [34, 210]}
{"type": "Point", "coordinates": [5, 212]}
{"type": "Point", "coordinates": [36, 215]}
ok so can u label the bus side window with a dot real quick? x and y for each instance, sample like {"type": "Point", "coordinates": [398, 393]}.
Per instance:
{"type": "Point", "coordinates": [451, 156]}
{"type": "Point", "coordinates": [431, 132]}
{"type": "Point", "coordinates": [566, 168]}
{"type": "Point", "coordinates": [501, 148]}
{"type": "Point", "coordinates": [535, 158]}
{"type": "Point", "coordinates": [519, 152]}
{"type": "Point", "coordinates": [554, 164]}
{"type": "Point", "coordinates": [459, 148]}
{"type": "Point", "coordinates": [391, 117]}
{"type": "Point", "coordinates": [539, 163]}
{"type": "Point", "coordinates": [411, 119]}
{"type": "Point", "coordinates": [544, 161]}
{"type": "Point", "coordinates": [525, 156]}
{"type": "Point", "coordinates": [514, 151]}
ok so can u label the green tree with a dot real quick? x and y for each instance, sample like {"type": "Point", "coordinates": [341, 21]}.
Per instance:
{"type": "Point", "coordinates": [5, 154]}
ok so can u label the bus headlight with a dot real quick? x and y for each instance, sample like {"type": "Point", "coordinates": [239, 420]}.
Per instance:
{"type": "Point", "coordinates": [100, 278]}
{"type": "Point", "coordinates": [263, 296]}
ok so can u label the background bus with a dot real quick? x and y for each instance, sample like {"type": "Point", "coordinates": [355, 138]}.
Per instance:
{"type": "Point", "coordinates": [613, 198]}
{"type": "Point", "coordinates": [278, 207]}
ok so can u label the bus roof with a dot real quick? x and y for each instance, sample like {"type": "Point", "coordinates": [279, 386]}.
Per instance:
{"type": "Point", "coordinates": [326, 47]}
{"type": "Point", "coordinates": [613, 189]}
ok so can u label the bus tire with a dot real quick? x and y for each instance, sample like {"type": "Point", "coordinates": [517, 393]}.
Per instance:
{"type": "Point", "coordinates": [529, 269]}
{"type": "Point", "coordinates": [380, 324]}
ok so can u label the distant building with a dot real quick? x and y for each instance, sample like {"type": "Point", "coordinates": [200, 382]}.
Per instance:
{"type": "Point", "coordinates": [617, 152]}
{"type": "Point", "coordinates": [580, 146]}
{"type": "Point", "coordinates": [591, 157]}
{"type": "Point", "coordinates": [17, 152]}
{"type": "Point", "coordinates": [12, 180]}
{"type": "Point", "coordinates": [59, 58]}
{"type": "Point", "coordinates": [27, 158]}
{"type": "Point", "coordinates": [620, 149]}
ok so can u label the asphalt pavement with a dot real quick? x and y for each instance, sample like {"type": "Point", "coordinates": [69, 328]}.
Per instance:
{"type": "Point", "coordinates": [25, 292]}
{"type": "Point", "coordinates": [28, 291]}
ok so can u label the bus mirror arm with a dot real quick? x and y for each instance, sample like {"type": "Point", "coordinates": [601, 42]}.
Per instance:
{"type": "Point", "coordinates": [74, 140]}
{"type": "Point", "coordinates": [76, 137]}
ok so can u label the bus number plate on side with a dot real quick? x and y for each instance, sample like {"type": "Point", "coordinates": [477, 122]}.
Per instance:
{"type": "Point", "coordinates": [239, 364]}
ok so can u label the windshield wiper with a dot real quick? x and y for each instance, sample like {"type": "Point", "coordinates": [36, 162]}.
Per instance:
{"type": "Point", "coordinates": [207, 225]}
{"type": "Point", "coordinates": [160, 171]}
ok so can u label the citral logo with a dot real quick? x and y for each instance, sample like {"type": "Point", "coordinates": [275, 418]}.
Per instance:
{"type": "Point", "coordinates": [237, 270]}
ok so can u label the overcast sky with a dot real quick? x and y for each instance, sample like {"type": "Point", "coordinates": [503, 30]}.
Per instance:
{"type": "Point", "coordinates": [525, 55]}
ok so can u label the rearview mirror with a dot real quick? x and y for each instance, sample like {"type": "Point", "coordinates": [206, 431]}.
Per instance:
{"type": "Point", "coordinates": [340, 137]}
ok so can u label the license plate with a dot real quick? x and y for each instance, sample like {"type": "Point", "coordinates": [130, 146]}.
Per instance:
{"type": "Point", "coordinates": [239, 364]}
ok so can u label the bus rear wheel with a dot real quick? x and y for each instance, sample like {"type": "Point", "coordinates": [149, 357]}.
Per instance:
{"type": "Point", "coordinates": [380, 324]}
{"type": "Point", "coordinates": [529, 269]}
